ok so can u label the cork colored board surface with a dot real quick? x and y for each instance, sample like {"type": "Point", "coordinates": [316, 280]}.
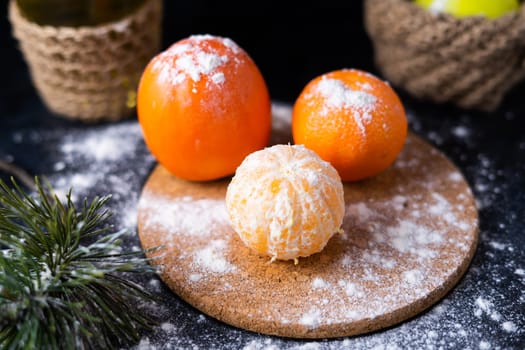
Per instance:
{"type": "Point", "coordinates": [409, 235]}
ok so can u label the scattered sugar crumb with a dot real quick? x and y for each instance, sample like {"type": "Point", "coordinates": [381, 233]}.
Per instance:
{"type": "Point", "coordinates": [319, 283]}
{"type": "Point", "coordinates": [167, 327]}
{"type": "Point", "coordinates": [360, 212]}
{"type": "Point", "coordinates": [483, 304]}
{"type": "Point", "coordinates": [461, 131]}
{"type": "Point", "coordinates": [484, 345]}
{"type": "Point", "coordinates": [509, 326]}
{"type": "Point", "coordinates": [145, 344]}
{"type": "Point", "coordinates": [75, 158]}
{"type": "Point", "coordinates": [195, 277]}
{"type": "Point", "coordinates": [212, 259]}
{"type": "Point", "coordinates": [413, 277]}
{"type": "Point", "coordinates": [497, 245]}
{"type": "Point", "coordinates": [186, 215]}
{"type": "Point", "coordinates": [59, 166]}
{"type": "Point", "coordinates": [455, 176]}
{"type": "Point", "coordinates": [351, 289]}
{"type": "Point", "coordinates": [311, 318]}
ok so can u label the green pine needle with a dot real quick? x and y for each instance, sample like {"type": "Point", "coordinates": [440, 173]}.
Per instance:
{"type": "Point", "coordinates": [61, 275]}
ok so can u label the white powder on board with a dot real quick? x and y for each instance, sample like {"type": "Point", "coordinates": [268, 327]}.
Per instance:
{"type": "Point", "coordinates": [360, 212]}
{"type": "Point", "coordinates": [185, 216]}
{"type": "Point", "coordinates": [351, 289]}
{"type": "Point", "coordinates": [319, 283]}
{"type": "Point", "coordinates": [409, 237]}
{"type": "Point", "coordinates": [310, 318]}
{"type": "Point", "coordinates": [212, 259]}
{"type": "Point", "coordinates": [413, 277]}
{"type": "Point", "coordinates": [455, 176]}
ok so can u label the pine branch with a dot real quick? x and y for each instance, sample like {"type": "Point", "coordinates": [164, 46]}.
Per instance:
{"type": "Point", "coordinates": [61, 284]}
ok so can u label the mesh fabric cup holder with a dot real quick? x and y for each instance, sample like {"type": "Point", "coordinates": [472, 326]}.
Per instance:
{"type": "Point", "coordinates": [470, 62]}
{"type": "Point", "coordinates": [89, 73]}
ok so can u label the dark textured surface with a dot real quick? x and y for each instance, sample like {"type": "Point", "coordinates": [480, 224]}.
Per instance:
{"type": "Point", "coordinates": [485, 310]}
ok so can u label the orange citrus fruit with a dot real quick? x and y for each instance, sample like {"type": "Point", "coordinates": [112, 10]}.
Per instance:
{"type": "Point", "coordinates": [203, 106]}
{"type": "Point", "coordinates": [353, 120]}
{"type": "Point", "coordinates": [285, 202]}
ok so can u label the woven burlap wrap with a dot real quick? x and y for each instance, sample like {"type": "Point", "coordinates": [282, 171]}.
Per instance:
{"type": "Point", "coordinates": [471, 62]}
{"type": "Point", "coordinates": [90, 73]}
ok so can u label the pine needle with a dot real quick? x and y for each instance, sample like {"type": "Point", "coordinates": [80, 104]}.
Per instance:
{"type": "Point", "coordinates": [61, 274]}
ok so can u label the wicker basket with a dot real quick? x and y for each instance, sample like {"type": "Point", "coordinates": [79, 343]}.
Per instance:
{"type": "Point", "coordinates": [471, 62]}
{"type": "Point", "coordinates": [90, 73]}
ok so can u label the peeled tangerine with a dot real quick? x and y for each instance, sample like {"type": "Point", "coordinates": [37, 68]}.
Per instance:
{"type": "Point", "coordinates": [285, 202]}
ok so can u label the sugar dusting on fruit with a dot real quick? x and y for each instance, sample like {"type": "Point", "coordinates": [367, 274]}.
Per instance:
{"type": "Point", "coordinates": [338, 96]}
{"type": "Point", "coordinates": [353, 120]}
{"type": "Point", "coordinates": [194, 60]}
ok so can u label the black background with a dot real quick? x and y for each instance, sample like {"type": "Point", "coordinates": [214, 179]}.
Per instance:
{"type": "Point", "coordinates": [291, 47]}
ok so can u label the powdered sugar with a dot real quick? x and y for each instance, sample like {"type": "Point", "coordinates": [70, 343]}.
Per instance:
{"type": "Point", "coordinates": [195, 59]}
{"type": "Point", "coordinates": [310, 318]}
{"type": "Point", "coordinates": [391, 258]}
{"type": "Point", "coordinates": [338, 95]}
{"type": "Point", "coordinates": [200, 64]}
{"type": "Point", "coordinates": [186, 216]}
{"type": "Point", "coordinates": [509, 326]}
{"type": "Point", "coordinates": [451, 324]}
{"type": "Point", "coordinates": [413, 277]}
{"type": "Point", "coordinates": [319, 283]}
{"type": "Point", "coordinates": [211, 258]}
{"type": "Point", "coordinates": [408, 237]}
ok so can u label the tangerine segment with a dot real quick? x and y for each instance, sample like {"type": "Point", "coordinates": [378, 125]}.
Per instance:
{"type": "Point", "coordinates": [285, 202]}
{"type": "Point", "coordinates": [353, 120]}
{"type": "Point", "coordinates": [203, 106]}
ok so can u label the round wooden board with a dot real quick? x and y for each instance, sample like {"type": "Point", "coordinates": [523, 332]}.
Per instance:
{"type": "Point", "coordinates": [409, 235]}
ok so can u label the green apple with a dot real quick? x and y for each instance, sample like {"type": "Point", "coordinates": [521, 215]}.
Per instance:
{"type": "Point", "coordinates": [465, 8]}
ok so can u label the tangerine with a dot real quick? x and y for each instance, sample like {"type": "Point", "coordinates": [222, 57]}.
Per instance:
{"type": "Point", "coordinates": [285, 202]}
{"type": "Point", "coordinates": [203, 106]}
{"type": "Point", "coordinates": [352, 119]}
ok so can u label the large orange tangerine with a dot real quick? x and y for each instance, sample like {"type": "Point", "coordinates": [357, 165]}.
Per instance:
{"type": "Point", "coordinates": [285, 202]}
{"type": "Point", "coordinates": [353, 120]}
{"type": "Point", "coordinates": [203, 106]}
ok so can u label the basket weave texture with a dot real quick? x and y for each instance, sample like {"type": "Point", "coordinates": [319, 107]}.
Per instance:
{"type": "Point", "coordinates": [471, 62]}
{"type": "Point", "coordinates": [89, 73]}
